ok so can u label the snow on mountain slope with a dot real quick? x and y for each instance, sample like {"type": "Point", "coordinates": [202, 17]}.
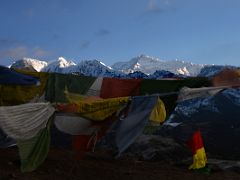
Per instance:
{"type": "Point", "coordinates": [149, 65]}
{"type": "Point", "coordinates": [211, 70]}
{"type": "Point", "coordinates": [94, 68]}
{"type": "Point", "coordinates": [29, 63]}
{"type": "Point", "coordinates": [61, 66]}
{"type": "Point", "coordinates": [139, 67]}
{"type": "Point", "coordinates": [90, 67]}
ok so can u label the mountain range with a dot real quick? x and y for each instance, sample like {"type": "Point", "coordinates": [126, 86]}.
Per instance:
{"type": "Point", "coordinates": [142, 66]}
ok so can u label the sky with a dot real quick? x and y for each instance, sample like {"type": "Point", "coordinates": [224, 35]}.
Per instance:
{"type": "Point", "coordinates": [198, 31]}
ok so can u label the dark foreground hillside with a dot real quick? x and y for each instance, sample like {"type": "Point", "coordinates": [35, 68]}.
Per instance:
{"type": "Point", "coordinates": [61, 164]}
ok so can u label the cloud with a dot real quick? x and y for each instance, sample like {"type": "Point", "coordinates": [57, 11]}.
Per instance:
{"type": "Point", "coordinates": [23, 51]}
{"type": "Point", "coordinates": [85, 45]}
{"type": "Point", "coordinates": [158, 6]}
{"type": "Point", "coordinates": [102, 32]}
{"type": "Point", "coordinates": [153, 7]}
{"type": "Point", "coordinates": [167, 2]}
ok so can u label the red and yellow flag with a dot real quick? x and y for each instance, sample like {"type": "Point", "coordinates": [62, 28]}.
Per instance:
{"type": "Point", "coordinates": [199, 155]}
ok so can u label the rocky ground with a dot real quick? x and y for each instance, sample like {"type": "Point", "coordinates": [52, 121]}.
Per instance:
{"type": "Point", "coordinates": [62, 164]}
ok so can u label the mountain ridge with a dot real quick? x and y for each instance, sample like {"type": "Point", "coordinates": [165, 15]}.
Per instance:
{"type": "Point", "coordinates": [150, 67]}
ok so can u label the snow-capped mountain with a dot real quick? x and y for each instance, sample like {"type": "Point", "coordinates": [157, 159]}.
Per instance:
{"type": "Point", "coordinates": [139, 67]}
{"type": "Point", "coordinates": [149, 65]}
{"type": "Point", "coordinates": [30, 64]}
{"type": "Point", "coordinates": [94, 68]}
{"type": "Point", "coordinates": [61, 66]}
{"type": "Point", "coordinates": [211, 70]}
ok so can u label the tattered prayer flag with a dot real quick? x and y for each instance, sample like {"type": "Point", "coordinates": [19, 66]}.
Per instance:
{"type": "Point", "coordinates": [198, 151]}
